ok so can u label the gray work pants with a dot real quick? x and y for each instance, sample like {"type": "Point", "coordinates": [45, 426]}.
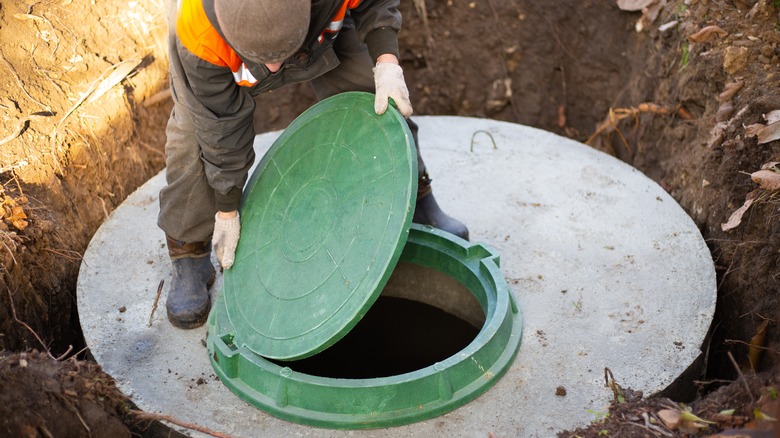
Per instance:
{"type": "Point", "coordinates": [187, 205]}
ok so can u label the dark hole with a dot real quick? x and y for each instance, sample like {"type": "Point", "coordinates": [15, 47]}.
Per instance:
{"type": "Point", "coordinates": [396, 336]}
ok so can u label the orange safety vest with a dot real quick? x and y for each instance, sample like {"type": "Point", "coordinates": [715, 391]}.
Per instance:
{"type": "Point", "coordinates": [199, 36]}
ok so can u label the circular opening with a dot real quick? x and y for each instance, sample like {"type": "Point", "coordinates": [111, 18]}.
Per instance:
{"type": "Point", "coordinates": [396, 336]}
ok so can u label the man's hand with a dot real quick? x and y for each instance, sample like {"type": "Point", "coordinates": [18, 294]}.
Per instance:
{"type": "Point", "coordinates": [227, 227]}
{"type": "Point", "coordinates": [389, 81]}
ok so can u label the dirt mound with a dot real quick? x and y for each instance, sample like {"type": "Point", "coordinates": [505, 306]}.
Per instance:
{"type": "Point", "coordinates": [42, 397]}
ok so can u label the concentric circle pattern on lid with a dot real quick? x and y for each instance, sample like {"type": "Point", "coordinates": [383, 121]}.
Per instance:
{"type": "Point", "coordinates": [325, 217]}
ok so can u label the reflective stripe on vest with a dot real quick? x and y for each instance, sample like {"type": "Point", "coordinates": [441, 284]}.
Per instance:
{"type": "Point", "coordinates": [337, 21]}
{"type": "Point", "coordinates": [244, 77]}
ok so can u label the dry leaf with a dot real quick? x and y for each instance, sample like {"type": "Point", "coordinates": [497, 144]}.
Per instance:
{"type": "Point", "coordinates": [724, 112]}
{"type": "Point", "coordinates": [772, 117]}
{"type": "Point", "coordinates": [653, 11]}
{"type": "Point", "coordinates": [649, 15]}
{"type": "Point", "coordinates": [730, 90]}
{"type": "Point", "coordinates": [766, 179]}
{"type": "Point", "coordinates": [757, 343]}
{"type": "Point", "coordinates": [752, 130]}
{"type": "Point", "coordinates": [670, 417]}
{"type": "Point", "coordinates": [760, 416]}
{"type": "Point", "coordinates": [736, 218]}
{"type": "Point", "coordinates": [760, 6]}
{"type": "Point", "coordinates": [716, 134]}
{"type": "Point", "coordinates": [692, 420]}
{"type": "Point", "coordinates": [769, 133]}
{"type": "Point", "coordinates": [17, 218]}
{"type": "Point", "coordinates": [13, 213]}
{"type": "Point", "coordinates": [684, 421]}
{"type": "Point", "coordinates": [634, 5]}
{"type": "Point", "coordinates": [770, 165]}
{"type": "Point", "coordinates": [707, 34]}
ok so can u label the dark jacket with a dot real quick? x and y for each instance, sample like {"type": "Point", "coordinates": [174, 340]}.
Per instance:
{"type": "Point", "coordinates": [216, 86]}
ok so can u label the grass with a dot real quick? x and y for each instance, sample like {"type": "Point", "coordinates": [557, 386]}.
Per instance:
{"type": "Point", "coordinates": [685, 55]}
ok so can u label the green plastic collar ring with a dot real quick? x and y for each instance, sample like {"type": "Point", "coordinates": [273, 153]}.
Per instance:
{"type": "Point", "coordinates": [395, 400]}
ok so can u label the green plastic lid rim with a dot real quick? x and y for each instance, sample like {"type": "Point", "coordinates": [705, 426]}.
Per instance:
{"type": "Point", "coordinates": [391, 138]}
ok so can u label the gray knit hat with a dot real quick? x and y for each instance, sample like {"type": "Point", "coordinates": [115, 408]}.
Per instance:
{"type": "Point", "coordinates": [264, 31]}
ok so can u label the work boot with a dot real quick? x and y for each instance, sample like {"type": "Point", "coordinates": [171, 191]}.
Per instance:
{"type": "Point", "coordinates": [428, 212]}
{"type": "Point", "coordinates": [193, 274]}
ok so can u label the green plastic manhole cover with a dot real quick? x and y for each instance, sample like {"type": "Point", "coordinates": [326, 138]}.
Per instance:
{"type": "Point", "coordinates": [324, 220]}
{"type": "Point", "coordinates": [326, 217]}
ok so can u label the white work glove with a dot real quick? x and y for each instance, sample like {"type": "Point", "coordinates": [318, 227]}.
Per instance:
{"type": "Point", "coordinates": [389, 81]}
{"type": "Point", "coordinates": [226, 232]}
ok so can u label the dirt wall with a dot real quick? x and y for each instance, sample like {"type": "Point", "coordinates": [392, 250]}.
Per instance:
{"type": "Point", "coordinates": [77, 147]}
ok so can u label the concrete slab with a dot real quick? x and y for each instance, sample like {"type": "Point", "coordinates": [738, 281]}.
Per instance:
{"type": "Point", "coordinates": [608, 270]}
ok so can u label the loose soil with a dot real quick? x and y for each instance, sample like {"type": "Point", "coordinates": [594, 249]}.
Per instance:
{"type": "Point", "coordinates": [83, 107]}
